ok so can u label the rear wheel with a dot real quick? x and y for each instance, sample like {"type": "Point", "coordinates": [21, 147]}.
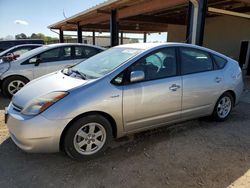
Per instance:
{"type": "Point", "coordinates": [223, 107]}
{"type": "Point", "coordinates": [88, 137]}
{"type": "Point", "coordinates": [13, 84]}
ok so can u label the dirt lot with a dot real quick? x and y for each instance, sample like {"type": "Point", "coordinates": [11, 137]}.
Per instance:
{"type": "Point", "coordinates": [197, 153]}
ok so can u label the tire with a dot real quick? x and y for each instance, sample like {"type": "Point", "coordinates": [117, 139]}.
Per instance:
{"type": "Point", "coordinates": [13, 84]}
{"type": "Point", "coordinates": [223, 107]}
{"type": "Point", "coordinates": [83, 142]}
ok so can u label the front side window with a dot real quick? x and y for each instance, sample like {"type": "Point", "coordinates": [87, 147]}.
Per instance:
{"type": "Point", "coordinates": [194, 61]}
{"type": "Point", "coordinates": [160, 64]}
{"type": "Point", "coordinates": [50, 55]}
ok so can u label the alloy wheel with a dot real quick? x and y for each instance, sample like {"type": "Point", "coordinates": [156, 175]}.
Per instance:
{"type": "Point", "coordinates": [15, 86]}
{"type": "Point", "coordinates": [224, 107]}
{"type": "Point", "coordinates": [90, 138]}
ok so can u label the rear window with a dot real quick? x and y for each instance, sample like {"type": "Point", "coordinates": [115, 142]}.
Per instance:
{"type": "Point", "coordinates": [219, 62]}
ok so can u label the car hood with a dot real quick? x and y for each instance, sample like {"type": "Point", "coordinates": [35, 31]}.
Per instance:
{"type": "Point", "coordinates": [56, 81]}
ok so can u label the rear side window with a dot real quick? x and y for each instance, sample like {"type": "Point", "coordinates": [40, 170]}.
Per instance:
{"type": "Point", "coordinates": [195, 61]}
{"type": "Point", "coordinates": [85, 52]}
{"type": "Point", "coordinates": [219, 62]}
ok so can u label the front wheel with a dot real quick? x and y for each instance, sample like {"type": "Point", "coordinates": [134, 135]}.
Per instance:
{"type": "Point", "coordinates": [223, 107]}
{"type": "Point", "coordinates": [12, 85]}
{"type": "Point", "coordinates": [87, 137]}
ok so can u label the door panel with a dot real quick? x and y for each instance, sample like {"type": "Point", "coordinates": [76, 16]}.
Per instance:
{"type": "Point", "coordinates": [201, 85]}
{"type": "Point", "coordinates": [46, 68]}
{"type": "Point", "coordinates": [200, 93]}
{"type": "Point", "coordinates": [53, 60]}
{"type": "Point", "coordinates": [151, 103]}
{"type": "Point", "coordinates": [157, 99]}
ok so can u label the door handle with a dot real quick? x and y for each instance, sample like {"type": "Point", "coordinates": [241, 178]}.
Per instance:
{"type": "Point", "coordinates": [218, 79]}
{"type": "Point", "coordinates": [174, 87]}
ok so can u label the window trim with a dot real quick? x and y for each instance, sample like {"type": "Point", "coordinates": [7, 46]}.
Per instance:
{"type": "Point", "coordinates": [192, 48]}
{"type": "Point", "coordinates": [216, 64]}
{"type": "Point", "coordinates": [126, 71]}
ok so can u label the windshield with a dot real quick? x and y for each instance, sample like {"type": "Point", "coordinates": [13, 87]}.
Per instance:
{"type": "Point", "coordinates": [104, 62]}
{"type": "Point", "coordinates": [5, 51]}
{"type": "Point", "coordinates": [32, 52]}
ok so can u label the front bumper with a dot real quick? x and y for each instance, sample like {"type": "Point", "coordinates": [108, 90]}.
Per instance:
{"type": "Point", "coordinates": [36, 134]}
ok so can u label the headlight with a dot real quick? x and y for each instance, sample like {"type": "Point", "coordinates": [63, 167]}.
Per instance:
{"type": "Point", "coordinates": [40, 104]}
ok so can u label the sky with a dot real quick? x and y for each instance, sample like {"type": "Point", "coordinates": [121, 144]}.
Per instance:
{"type": "Point", "coordinates": [33, 16]}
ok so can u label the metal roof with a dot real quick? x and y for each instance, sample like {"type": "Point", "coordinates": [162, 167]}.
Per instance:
{"type": "Point", "coordinates": [141, 15]}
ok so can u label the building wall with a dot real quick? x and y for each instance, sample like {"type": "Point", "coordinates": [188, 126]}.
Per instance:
{"type": "Point", "coordinates": [105, 41]}
{"type": "Point", "coordinates": [223, 34]}
{"type": "Point", "coordinates": [99, 41]}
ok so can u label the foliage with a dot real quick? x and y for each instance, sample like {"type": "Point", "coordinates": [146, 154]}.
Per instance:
{"type": "Point", "coordinates": [21, 36]}
{"type": "Point", "coordinates": [46, 39]}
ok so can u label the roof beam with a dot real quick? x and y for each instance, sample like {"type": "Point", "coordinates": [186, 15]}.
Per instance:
{"type": "Point", "coordinates": [227, 12]}
{"type": "Point", "coordinates": [244, 1]}
{"type": "Point", "coordinates": [127, 28]}
{"type": "Point", "coordinates": [156, 19]}
{"type": "Point", "coordinates": [147, 7]}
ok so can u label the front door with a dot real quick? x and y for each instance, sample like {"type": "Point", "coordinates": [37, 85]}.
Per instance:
{"type": "Point", "coordinates": [157, 99]}
{"type": "Point", "coordinates": [53, 60]}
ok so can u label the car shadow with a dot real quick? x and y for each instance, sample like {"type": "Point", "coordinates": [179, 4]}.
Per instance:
{"type": "Point", "coordinates": [198, 153]}
{"type": "Point", "coordinates": [4, 102]}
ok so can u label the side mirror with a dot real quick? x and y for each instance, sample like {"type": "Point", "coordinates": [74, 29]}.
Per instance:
{"type": "Point", "coordinates": [137, 76]}
{"type": "Point", "coordinates": [35, 61]}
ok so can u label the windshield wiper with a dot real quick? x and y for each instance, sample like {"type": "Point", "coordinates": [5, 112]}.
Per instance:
{"type": "Point", "coordinates": [68, 71]}
{"type": "Point", "coordinates": [83, 76]}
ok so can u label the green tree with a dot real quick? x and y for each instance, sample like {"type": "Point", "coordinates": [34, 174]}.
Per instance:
{"type": "Point", "coordinates": [21, 36]}
{"type": "Point", "coordinates": [33, 36]}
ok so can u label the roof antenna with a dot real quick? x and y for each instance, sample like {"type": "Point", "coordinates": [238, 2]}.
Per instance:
{"type": "Point", "coordinates": [64, 14]}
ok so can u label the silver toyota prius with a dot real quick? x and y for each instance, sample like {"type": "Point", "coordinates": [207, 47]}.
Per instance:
{"type": "Point", "coordinates": [123, 90]}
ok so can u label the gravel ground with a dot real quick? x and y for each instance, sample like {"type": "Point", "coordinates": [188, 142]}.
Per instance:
{"type": "Point", "coordinates": [198, 153]}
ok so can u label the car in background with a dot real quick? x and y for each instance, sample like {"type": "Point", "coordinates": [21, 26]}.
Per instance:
{"type": "Point", "coordinates": [6, 44]}
{"type": "Point", "coordinates": [19, 50]}
{"type": "Point", "coordinates": [40, 61]}
{"type": "Point", "coordinates": [123, 90]}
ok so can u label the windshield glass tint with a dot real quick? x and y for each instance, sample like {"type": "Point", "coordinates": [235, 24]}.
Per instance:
{"type": "Point", "coordinates": [103, 63]}
{"type": "Point", "coordinates": [34, 51]}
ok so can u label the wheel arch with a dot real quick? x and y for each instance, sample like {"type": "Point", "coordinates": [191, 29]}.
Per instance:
{"type": "Point", "coordinates": [233, 94]}
{"type": "Point", "coordinates": [14, 75]}
{"type": "Point", "coordinates": [2, 82]}
{"type": "Point", "coordinates": [104, 114]}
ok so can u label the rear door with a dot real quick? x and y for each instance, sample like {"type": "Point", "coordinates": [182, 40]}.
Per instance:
{"type": "Point", "coordinates": [201, 82]}
{"type": "Point", "coordinates": [157, 99]}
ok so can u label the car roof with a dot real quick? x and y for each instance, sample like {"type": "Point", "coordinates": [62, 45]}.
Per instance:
{"type": "Point", "coordinates": [44, 48]}
{"type": "Point", "coordinates": [72, 44]}
{"type": "Point", "coordinates": [145, 46]}
{"type": "Point", "coordinates": [23, 45]}
{"type": "Point", "coordinates": [148, 46]}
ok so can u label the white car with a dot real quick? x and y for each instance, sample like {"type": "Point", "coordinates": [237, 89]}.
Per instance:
{"type": "Point", "coordinates": [40, 61]}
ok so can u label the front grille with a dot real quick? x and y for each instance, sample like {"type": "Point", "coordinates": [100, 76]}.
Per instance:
{"type": "Point", "coordinates": [17, 108]}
